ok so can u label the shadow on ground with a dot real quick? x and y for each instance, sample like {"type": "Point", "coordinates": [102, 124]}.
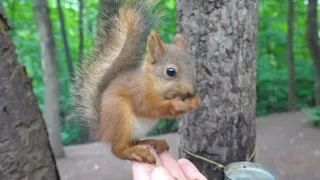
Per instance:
{"type": "Point", "coordinates": [286, 145]}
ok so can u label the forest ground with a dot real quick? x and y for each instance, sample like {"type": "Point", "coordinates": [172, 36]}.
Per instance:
{"type": "Point", "coordinates": [287, 146]}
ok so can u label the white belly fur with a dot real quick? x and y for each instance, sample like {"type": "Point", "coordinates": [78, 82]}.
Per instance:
{"type": "Point", "coordinates": [142, 126]}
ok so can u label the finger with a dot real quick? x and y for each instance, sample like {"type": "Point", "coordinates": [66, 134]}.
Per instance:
{"type": "Point", "coordinates": [160, 173]}
{"type": "Point", "coordinates": [190, 170]}
{"type": "Point", "coordinates": [141, 171]}
{"type": "Point", "coordinates": [171, 165]}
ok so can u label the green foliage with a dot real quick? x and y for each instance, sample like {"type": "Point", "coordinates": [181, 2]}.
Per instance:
{"type": "Point", "coordinates": [168, 23]}
{"type": "Point", "coordinates": [71, 133]}
{"type": "Point", "coordinates": [164, 126]}
{"type": "Point", "coordinates": [272, 76]}
{"type": "Point", "coordinates": [272, 86]}
{"type": "Point", "coordinates": [272, 69]}
{"type": "Point", "coordinates": [26, 38]}
{"type": "Point", "coordinates": [313, 116]}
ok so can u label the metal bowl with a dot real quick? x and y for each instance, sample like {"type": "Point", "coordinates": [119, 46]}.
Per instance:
{"type": "Point", "coordinates": [247, 171]}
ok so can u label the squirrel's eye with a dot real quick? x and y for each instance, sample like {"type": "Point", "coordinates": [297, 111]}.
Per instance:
{"type": "Point", "coordinates": [171, 72]}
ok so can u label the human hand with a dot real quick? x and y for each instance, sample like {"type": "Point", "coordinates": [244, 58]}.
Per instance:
{"type": "Point", "coordinates": [166, 168]}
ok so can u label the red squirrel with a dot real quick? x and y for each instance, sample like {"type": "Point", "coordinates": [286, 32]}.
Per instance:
{"type": "Point", "coordinates": [132, 79]}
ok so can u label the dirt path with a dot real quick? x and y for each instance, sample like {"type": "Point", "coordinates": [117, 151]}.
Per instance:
{"type": "Point", "coordinates": [286, 145]}
{"type": "Point", "coordinates": [289, 147]}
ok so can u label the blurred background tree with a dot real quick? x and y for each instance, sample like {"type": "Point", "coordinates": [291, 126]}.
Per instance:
{"type": "Point", "coordinates": [49, 66]}
{"type": "Point", "coordinates": [272, 61]}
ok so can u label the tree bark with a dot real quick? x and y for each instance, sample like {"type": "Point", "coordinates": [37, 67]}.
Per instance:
{"type": "Point", "coordinates": [50, 76]}
{"type": "Point", "coordinates": [25, 152]}
{"type": "Point", "coordinates": [313, 42]}
{"type": "Point", "coordinates": [222, 39]}
{"type": "Point", "coordinates": [65, 40]}
{"type": "Point", "coordinates": [80, 30]}
{"type": "Point", "coordinates": [291, 73]}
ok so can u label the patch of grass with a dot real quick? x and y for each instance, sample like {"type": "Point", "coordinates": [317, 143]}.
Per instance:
{"type": "Point", "coordinates": [313, 116]}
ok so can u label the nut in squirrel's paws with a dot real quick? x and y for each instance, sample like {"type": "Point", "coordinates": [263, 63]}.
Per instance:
{"type": "Point", "coordinates": [143, 155]}
{"type": "Point", "coordinates": [193, 102]}
{"type": "Point", "coordinates": [180, 106]}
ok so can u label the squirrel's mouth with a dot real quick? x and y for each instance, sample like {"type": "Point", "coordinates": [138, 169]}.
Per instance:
{"type": "Point", "coordinates": [187, 95]}
{"type": "Point", "coordinates": [178, 95]}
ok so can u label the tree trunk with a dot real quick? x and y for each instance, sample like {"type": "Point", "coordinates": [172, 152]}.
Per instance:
{"type": "Point", "coordinates": [50, 76]}
{"type": "Point", "coordinates": [313, 42]}
{"type": "Point", "coordinates": [291, 74]}
{"type": "Point", "coordinates": [80, 30]}
{"type": "Point", "coordinates": [25, 152]}
{"type": "Point", "coordinates": [65, 40]}
{"type": "Point", "coordinates": [222, 39]}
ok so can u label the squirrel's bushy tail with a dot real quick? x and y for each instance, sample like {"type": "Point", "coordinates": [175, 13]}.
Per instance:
{"type": "Point", "coordinates": [122, 33]}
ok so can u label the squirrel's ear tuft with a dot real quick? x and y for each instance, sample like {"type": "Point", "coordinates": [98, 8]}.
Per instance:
{"type": "Point", "coordinates": [179, 41]}
{"type": "Point", "coordinates": [155, 47]}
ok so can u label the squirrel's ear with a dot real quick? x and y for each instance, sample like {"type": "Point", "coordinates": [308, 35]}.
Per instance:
{"type": "Point", "coordinates": [155, 47]}
{"type": "Point", "coordinates": [179, 41]}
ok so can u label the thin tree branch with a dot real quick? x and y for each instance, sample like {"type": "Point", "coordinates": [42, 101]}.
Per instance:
{"type": "Point", "coordinates": [80, 30]}
{"type": "Point", "coordinates": [65, 40]}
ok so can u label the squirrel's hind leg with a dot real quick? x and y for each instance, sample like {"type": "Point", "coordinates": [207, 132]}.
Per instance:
{"type": "Point", "coordinates": [138, 153]}
{"type": "Point", "coordinates": [117, 128]}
